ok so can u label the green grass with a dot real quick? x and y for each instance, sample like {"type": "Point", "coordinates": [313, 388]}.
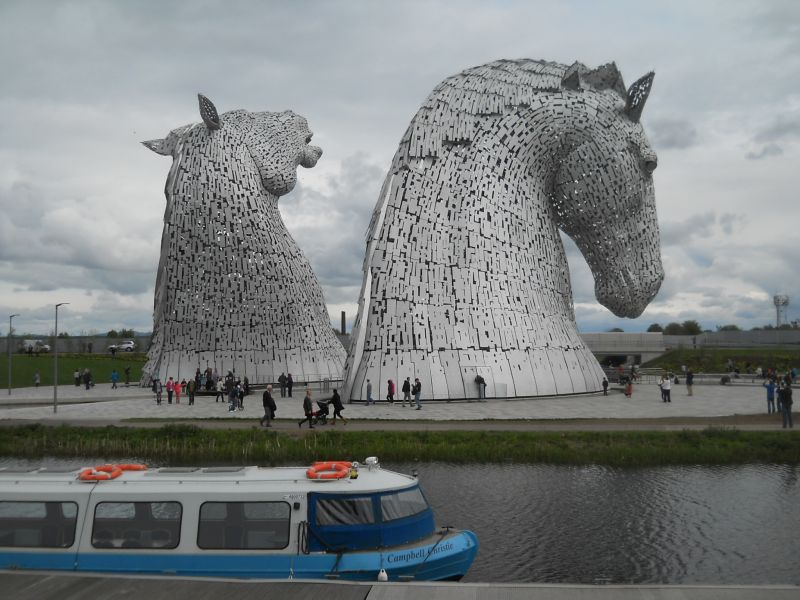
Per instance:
{"type": "Point", "coordinates": [23, 367]}
{"type": "Point", "coordinates": [713, 360]}
{"type": "Point", "coordinates": [187, 444]}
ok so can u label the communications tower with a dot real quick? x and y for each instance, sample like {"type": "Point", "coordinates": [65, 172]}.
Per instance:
{"type": "Point", "coordinates": [781, 302]}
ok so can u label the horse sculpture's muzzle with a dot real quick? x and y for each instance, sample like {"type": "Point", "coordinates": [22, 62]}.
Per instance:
{"type": "Point", "coordinates": [310, 156]}
{"type": "Point", "coordinates": [627, 291]}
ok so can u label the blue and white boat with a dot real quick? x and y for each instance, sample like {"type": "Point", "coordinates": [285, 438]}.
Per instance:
{"type": "Point", "coordinates": [365, 523]}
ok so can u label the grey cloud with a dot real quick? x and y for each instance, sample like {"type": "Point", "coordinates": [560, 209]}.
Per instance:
{"type": "Point", "coordinates": [677, 233]}
{"type": "Point", "coordinates": [766, 151]}
{"type": "Point", "coordinates": [330, 226]}
{"type": "Point", "coordinates": [669, 134]}
{"type": "Point", "coordinates": [785, 127]}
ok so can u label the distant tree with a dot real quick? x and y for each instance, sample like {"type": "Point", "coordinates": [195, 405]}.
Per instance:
{"type": "Point", "coordinates": [655, 328]}
{"type": "Point", "coordinates": [673, 329]}
{"type": "Point", "coordinates": [616, 330]}
{"type": "Point", "coordinates": [730, 327]}
{"type": "Point", "coordinates": [691, 327]}
{"type": "Point", "coordinates": [63, 334]}
{"type": "Point", "coordinates": [112, 333]}
{"type": "Point", "coordinates": [126, 333]}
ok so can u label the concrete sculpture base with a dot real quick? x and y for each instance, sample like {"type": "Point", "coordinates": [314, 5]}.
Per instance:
{"type": "Point", "coordinates": [234, 291]}
{"type": "Point", "coordinates": [465, 273]}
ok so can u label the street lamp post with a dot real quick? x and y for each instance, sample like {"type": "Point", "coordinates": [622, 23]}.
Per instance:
{"type": "Point", "coordinates": [8, 342]}
{"type": "Point", "coordinates": [55, 362]}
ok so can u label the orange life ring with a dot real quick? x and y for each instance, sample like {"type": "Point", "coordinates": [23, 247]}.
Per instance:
{"type": "Point", "coordinates": [133, 467]}
{"type": "Point", "coordinates": [336, 469]}
{"type": "Point", "coordinates": [100, 473]}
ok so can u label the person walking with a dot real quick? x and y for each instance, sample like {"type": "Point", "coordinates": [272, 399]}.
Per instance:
{"type": "Point", "coordinates": [77, 376]}
{"type": "Point", "coordinates": [114, 379]}
{"type": "Point", "coordinates": [37, 378]}
{"type": "Point", "coordinates": [158, 390]}
{"type": "Point", "coordinates": [179, 387]}
{"type": "Point", "coordinates": [417, 390]}
{"type": "Point", "coordinates": [605, 386]}
{"type": "Point", "coordinates": [289, 384]}
{"type": "Point", "coordinates": [240, 394]}
{"type": "Point", "coordinates": [390, 391]}
{"type": "Point", "coordinates": [369, 393]}
{"type": "Point", "coordinates": [127, 375]}
{"type": "Point", "coordinates": [770, 385]}
{"type": "Point", "coordinates": [787, 405]}
{"type": "Point", "coordinates": [629, 387]}
{"type": "Point", "coordinates": [191, 389]}
{"type": "Point", "coordinates": [282, 383]}
{"type": "Point", "coordinates": [269, 407]}
{"type": "Point", "coordinates": [407, 391]}
{"type": "Point", "coordinates": [308, 410]}
{"type": "Point", "coordinates": [689, 382]}
{"type": "Point", "coordinates": [232, 399]}
{"type": "Point", "coordinates": [87, 378]}
{"type": "Point", "coordinates": [220, 388]}
{"type": "Point", "coordinates": [336, 401]}
{"type": "Point", "coordinates": [170, 390]}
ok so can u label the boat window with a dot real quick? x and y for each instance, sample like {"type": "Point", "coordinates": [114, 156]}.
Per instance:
{"type": "Point", "coordinates": [403, 504]}
{"type": "Point", "coordinates": [244, 525]}
{"type": "Point", "coordinates": [153, 525]}
{"type": "Point", "coordinates": [345, 511]}
{"type": "Point", "coordinates": [38, 524]}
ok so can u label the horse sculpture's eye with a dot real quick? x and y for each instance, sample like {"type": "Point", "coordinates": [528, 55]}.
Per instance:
{"type": "Point", "coordinates": [308, 138]}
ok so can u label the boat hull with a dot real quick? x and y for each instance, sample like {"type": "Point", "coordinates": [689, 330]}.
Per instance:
{"type": "Point", "coordinates": [444, 557]}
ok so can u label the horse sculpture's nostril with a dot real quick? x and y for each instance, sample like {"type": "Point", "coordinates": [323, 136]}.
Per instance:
{"type": "Point", "coordinates": [650, 165]}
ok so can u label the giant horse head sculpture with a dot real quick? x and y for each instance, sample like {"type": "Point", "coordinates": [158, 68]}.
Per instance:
{"type": "Point", "coordinates": [234, 292]}
{"type": "Point", "coordinates": [466, 276]}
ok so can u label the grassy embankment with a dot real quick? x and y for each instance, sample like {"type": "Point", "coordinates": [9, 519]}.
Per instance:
{"type": "Point", "coordinates": [182, 444]}
{"type": "Point", "coordinates": [23, 366]}
{"type": "Point", "coordinates": [713, 360]}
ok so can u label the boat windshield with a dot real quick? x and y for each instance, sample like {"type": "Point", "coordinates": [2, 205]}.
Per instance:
{"type": "Point", "coordinates": [360, 521]}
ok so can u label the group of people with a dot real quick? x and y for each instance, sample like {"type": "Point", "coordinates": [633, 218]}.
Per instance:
{"type": "Point", "coordinates": [408, 389]}
{"type": "Point", "coordinates": [85, 377]}
{"type": "Point", "coordinates": [780, 389]}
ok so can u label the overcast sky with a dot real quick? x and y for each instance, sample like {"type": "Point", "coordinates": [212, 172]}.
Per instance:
{"type": "Point", "coordinates": [84, 82]}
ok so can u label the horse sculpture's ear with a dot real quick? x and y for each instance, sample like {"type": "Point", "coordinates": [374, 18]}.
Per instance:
{"type": "Point", "coordinates": [208, 112]}
{"type": "Point", "coordinates": [572, 77]}
{"type": "Point", "coordinates": [158, 146]}
{"type": "Point", "coordinates": [637, 96]}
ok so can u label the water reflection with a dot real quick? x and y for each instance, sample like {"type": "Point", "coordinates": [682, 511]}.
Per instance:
{"type": "Point", "coordinates": [562, 524]}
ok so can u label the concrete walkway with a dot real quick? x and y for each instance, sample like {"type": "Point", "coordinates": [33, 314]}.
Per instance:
{"type": "Point", "coordinates": [102, 405]}
{"type": "Point", "coordinates": [76, 586]}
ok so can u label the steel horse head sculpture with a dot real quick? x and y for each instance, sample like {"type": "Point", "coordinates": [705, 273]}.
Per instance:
{"type": "Point", "coordinates": [233, 291]}
{"type": "Point", "coordinates": [465, 272]}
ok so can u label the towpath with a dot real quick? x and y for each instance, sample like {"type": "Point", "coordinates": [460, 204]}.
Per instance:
{"type": "Point", "coordinates": [742, 406]}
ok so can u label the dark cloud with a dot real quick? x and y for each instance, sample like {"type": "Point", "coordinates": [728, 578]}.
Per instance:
{"type": "Point", "coordinates": [671, 134]}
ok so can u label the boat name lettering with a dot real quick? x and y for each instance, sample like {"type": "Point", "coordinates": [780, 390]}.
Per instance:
{"type": "Point", "coordinates": [422, 553]}
{"type": "Point", "coordinates": [294, 496]}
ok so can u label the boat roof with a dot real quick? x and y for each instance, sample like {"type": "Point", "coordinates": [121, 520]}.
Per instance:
{"type": "Point", "coordinates": [277, 479]}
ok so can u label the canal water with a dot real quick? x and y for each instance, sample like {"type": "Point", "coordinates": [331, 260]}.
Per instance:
{"type": "Point", "coordinates": [591, 524]}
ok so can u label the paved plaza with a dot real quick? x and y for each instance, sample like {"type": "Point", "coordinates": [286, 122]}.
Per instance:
{"type": "Point", "coordinates": [104, 405]}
